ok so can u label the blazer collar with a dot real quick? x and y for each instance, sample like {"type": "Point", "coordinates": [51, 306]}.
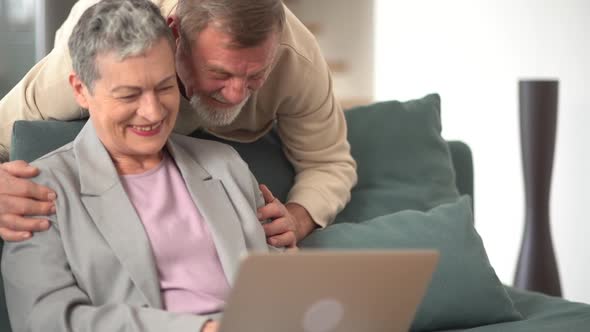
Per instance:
{"type": "Point", "coordinates": [96, 169]}
{"type": "Point", "coordinates": [213, 202]}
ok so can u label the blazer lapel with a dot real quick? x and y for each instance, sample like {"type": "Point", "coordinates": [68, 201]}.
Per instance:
{"type": "Point", "coordinates": [215, 206]}
{"type": "Point", "coordinates": [111, 210]}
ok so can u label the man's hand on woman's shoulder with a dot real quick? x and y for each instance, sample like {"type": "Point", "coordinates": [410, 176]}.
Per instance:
{"type": "Point", "coordinates": [20, 198]}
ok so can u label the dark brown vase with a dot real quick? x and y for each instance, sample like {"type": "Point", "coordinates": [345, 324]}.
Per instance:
{"type": "Point", "coordinates": [537, 266]}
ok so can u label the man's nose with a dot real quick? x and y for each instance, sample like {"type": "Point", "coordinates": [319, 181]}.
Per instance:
{"type": "Point", "coordinates": [235, 91]}
{"type": "Point", "coordinates": [150, 107]}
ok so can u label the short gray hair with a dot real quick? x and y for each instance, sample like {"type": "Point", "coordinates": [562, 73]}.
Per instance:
{"type": "Point", "coordinates": [126, 27]}
{"type": "Point", "coordinates": [249, 22]}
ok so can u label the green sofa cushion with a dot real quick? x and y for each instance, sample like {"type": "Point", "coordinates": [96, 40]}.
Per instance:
{"type": "Point", "coordinates": [404, 169]}
{"type": "Point", "coordinates": [464, 291]}
{"type": "Point", "coordinates": [403, 161]}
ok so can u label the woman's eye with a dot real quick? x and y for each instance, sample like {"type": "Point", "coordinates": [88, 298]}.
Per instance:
{"type": "Point", "coordinates": [128, 98]}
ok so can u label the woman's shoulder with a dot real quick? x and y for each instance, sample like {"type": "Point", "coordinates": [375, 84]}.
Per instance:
{"type": "Point", "coordinates": [62, 157]}
{"type": "Point", "coordinates": [59, 161]}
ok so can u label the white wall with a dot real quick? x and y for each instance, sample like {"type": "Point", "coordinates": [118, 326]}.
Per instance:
{"type": "Point", "coordinates": [473, 52]}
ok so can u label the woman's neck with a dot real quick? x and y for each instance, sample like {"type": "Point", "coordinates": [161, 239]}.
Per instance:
{"type": "Point", "coordinates": [128, 165]}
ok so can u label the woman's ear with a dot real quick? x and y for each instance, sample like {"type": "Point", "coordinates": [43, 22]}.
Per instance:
{"type": "Point", "coordinates": [80, 90]}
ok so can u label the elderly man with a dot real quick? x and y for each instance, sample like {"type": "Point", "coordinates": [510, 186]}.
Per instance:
{"type": "Point", "coordinates": [244, 67]}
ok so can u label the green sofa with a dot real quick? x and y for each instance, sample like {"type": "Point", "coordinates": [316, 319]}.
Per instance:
{"type": "Point", "coordinates": [434, 162]}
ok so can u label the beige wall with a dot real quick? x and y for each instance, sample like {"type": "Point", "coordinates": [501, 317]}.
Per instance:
{"type": "Point", "coordinates": [344, 30]}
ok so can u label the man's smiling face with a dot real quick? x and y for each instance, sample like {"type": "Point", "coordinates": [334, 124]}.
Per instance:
{"type": "Point", "coordinates": [219, 77]}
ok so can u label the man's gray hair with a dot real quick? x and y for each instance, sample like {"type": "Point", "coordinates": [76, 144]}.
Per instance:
{"type": "Point", "coordinates": [126, 27]}
{"type": "Point", "coordinates": [249, 22]}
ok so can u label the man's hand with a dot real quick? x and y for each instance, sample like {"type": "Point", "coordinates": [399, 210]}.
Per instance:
{"type": "Point", "coordinates": [290, 222]}
{"type": "Point", "coordinates": [305, 224]}
{"type": "Point", "coordinates": [19, 198]}
{"type": "Point", "coordinates": [210, 326]}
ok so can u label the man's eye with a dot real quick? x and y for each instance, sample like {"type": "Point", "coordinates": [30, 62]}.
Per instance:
{"type": "Point", "coordinates": [166, 88]}
{"type": "Point", "coordinates": [220, 76]}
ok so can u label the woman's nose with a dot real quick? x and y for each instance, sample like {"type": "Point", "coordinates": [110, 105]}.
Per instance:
{"type": "Point", "coordinates": [151, 108]}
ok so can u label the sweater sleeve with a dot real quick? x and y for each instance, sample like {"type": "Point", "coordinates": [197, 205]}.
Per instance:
{"type": "Point", "coordinates": [313, 129]}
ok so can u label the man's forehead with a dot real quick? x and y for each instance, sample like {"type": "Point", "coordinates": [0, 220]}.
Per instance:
{"type": "Point", "coordinates": [217, 55]}
{"type": "Point", "coordinates": [213, 37]}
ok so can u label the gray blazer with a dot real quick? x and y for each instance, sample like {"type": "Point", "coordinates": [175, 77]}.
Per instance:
{"type": "Point", "coordinates": [93, 270]}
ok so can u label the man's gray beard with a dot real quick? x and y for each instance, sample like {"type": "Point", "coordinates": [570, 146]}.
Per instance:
{"type": "Point", "coordinates": [210, 116]}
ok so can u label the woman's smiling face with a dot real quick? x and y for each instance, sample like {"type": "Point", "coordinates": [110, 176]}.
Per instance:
{"type": "Point", "coordinates": [134, 103]}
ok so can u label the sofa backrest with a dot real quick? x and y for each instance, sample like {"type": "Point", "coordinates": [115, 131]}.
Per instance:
{"type": "Point", "coordinates": [33, 139]}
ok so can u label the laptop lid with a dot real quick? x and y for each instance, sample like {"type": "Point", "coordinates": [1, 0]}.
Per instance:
{"type": "Point", "coordinates": [328, 291]}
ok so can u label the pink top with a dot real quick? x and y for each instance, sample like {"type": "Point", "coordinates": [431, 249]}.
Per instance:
{"type": "Point", "coordinates": [191, 277]}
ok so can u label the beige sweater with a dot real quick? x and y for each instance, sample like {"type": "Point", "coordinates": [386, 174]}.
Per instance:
{"type": "Point", "coordinates": [298, 95]}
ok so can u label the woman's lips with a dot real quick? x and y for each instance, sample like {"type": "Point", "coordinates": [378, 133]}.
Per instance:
{"type": "Point", "coordinates": [149, 130]}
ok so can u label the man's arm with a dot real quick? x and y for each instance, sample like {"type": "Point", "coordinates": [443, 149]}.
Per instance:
{"type": "Point", "coordinates": [44, 92]}
{"type": "Point", "coordinates": [313, 130]}
{"type": "Point", "coordinates": [315, 142]}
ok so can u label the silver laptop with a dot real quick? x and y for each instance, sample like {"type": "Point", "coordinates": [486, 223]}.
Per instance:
{"type": "Point", "coordinates": [329, 291]}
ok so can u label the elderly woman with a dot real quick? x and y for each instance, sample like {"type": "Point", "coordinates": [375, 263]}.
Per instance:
{"type": "Point", "coordinates": [149, 226]}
